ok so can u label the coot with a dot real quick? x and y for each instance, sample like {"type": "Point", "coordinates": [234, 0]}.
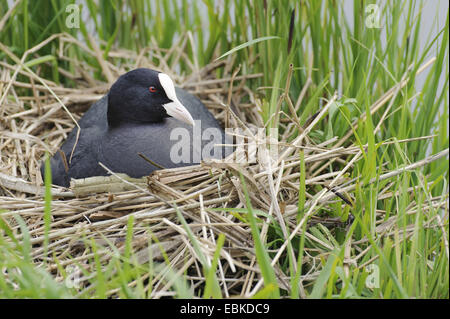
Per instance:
{"type": "Point", "coordinates": [142, 113]}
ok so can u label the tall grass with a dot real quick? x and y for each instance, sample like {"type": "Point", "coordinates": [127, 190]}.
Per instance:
{"type": "Point", "coordinates": [328, 53]}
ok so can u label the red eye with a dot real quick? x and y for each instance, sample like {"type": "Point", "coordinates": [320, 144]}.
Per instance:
{"type": "Point", "coordinates": [152, 89]}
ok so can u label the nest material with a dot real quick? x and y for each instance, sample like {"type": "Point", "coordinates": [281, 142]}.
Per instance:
{"type": "Point", "coordinates": [99, 208]}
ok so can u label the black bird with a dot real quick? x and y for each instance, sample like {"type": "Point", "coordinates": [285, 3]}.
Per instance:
{"type": "Point", "coordinates": [142, 113]}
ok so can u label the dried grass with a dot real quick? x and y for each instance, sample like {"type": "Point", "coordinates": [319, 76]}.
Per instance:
{"type": "Point", "coordinates": [99, 208]}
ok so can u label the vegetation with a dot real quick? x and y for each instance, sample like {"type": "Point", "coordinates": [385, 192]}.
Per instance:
{"type": "Point", "coordinates": [357, 209]}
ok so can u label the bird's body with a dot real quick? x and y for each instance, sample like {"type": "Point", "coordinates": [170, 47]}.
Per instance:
{"type": "Point", "coordinates": [116, 140]}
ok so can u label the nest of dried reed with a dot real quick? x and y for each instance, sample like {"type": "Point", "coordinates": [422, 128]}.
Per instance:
{"type": "Point", "coordinates": [98, 209]}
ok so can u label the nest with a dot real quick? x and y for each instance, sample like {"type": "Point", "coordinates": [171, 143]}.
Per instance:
{"type": "Point", "coordinates": [99, 211]}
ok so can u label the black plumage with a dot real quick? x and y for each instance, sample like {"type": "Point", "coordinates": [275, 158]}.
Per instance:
{"type": "Point", "coordinates": [136, 117]}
